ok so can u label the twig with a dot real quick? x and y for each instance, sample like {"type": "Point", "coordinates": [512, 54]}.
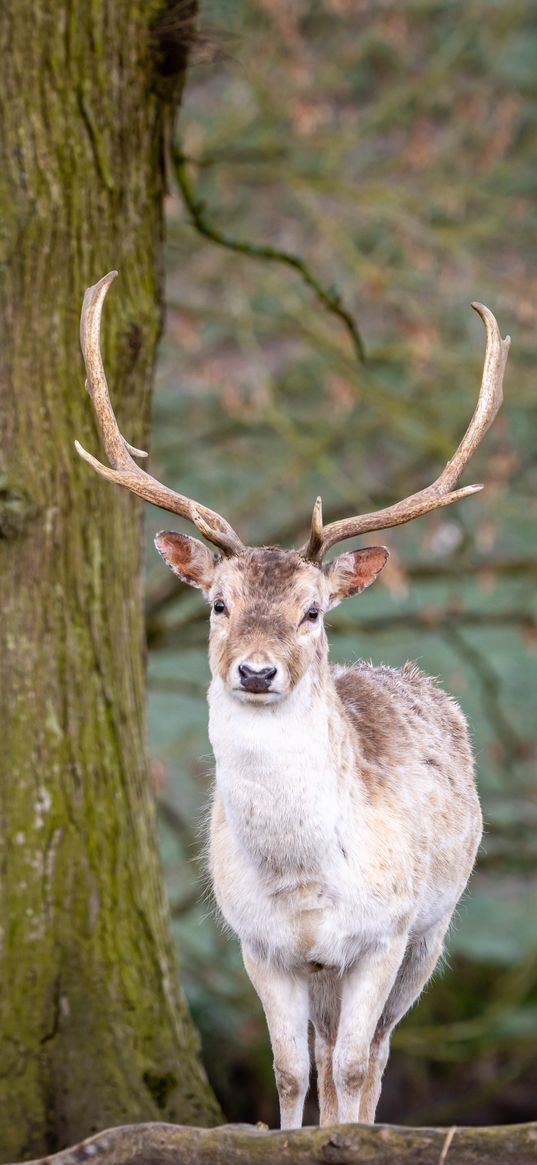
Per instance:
{"type": "Point", "coordinates": [177, 685]}
{"type": "Point", "coordinates": [491, 688]}
{"type": "Point", "coordinates": [329, 297]}
{"type": "Point", "coordinates": [245, 155]}
{"type": "Point", "coordinates": [175, 820]}
{"type": "Point", "coordinates": [445, 1147]}
{"type": "Point", "coordinates": [436, 619]}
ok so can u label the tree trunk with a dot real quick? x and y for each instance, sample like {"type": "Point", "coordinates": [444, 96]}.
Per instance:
{"type": "Point", "coordinates": [94, 1030]}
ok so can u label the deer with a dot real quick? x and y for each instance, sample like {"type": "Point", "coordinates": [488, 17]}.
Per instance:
{"type": "Point", "coordinates": [345, 818]}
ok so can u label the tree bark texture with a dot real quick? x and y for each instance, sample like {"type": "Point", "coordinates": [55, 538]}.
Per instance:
{"type": "Point", "coordinates": [162, 1144]}
{"type": "Point", "coordinates": [94, 1030]}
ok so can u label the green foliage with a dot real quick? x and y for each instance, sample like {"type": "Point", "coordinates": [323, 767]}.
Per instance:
{"type": "Point", "coordinates": [391, 147]}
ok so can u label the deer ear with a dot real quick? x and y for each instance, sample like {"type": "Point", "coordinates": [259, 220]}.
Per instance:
{"type": "Point", "coordinates": [352, 572]}
{"type": "Point", "coordinates": [193, 562]}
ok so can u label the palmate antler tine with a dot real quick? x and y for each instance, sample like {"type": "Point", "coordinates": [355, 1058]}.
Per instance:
{"type": "Point", "coordinates": [123, 469]}
{"type": "Point", "coordinates": [441, 492]}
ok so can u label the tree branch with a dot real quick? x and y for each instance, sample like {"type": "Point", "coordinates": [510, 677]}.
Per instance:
{"type": "Point", "coordinates": [166, 590]}
{"type": "Point", "coordinates": [436, 618]}
{"type": "Point", "coordinates": [165, 1144]}
{"type": "Point", "coordinates": [329, 297]}
{"type": "Point", "coordinates": [515, 746]}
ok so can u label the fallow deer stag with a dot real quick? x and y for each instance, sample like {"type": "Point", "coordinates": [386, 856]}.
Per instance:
{"type": "Point", "coordinates": [345, 818]}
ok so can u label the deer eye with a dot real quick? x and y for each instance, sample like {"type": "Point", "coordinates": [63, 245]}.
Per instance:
{"type": "Point", "coordinates": [312, 614]}
{"type": "Point", "coordinates": [219, 606]}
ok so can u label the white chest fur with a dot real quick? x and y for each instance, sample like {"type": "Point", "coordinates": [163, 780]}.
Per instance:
{"type": "Point", "coordinates": [287, 863]}
{"type": "Point", "coordinates": [276, 778]}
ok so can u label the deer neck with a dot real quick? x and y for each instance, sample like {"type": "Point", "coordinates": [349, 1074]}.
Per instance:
{"type": "Point", "coordinates": [280, 770]}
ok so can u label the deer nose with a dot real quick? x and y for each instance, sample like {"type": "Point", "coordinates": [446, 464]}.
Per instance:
{"type": "Point", "coordinates": [256, 679]}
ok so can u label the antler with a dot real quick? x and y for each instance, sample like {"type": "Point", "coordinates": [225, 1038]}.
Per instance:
{"type": "Point", "coordinates": [124, 470]}
{"type": "Point", "coordinates": [441, 492]}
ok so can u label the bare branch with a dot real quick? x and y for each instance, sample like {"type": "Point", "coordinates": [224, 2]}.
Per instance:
{"type": "Point", "coordinates": [514, 745]}
{"type": "Point", "coordinates": [167, 590]}
{"type": "Point", "coordinates": [432, 619]}
{"type": "Point", "coordinates": [329, 297]}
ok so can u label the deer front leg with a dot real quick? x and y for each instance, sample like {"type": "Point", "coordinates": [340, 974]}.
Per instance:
{"type": "Point", "coordinates": [365, 989]}
{"type": "Point", "coordinates": [286, 1005]}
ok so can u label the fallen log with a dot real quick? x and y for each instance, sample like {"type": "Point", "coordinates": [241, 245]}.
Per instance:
{"type": "Point", "coordinates": [165, 1144]}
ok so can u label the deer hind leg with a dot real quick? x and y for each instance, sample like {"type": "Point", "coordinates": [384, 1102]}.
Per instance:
{"type": "Point", "coordinates": [286, 1006]}
{"type": "Point", "coordinates": [325, 993]}
{"type": "Point", "coordinates": [326, 1089]}
{"type": "Point", "coordinates": [420, 959]}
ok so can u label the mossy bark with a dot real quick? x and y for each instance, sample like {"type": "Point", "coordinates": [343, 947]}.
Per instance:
{"type": "Point", "coordinates": [94, 1029]}
{"type": "Point", "coordinates": [161, 1144]}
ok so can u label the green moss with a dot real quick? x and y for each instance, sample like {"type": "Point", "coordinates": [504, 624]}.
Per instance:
{"type": "Point", "coordinates": [16, 510]}
{"type": "Point", "coordinates": [160, 1085]}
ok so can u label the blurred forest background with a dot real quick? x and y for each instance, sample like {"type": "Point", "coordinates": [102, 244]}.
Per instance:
{"type": "Point", "coordinates": [392, 147]}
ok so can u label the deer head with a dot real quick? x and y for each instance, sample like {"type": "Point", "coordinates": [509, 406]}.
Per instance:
{"type": "Point", "coordinates": [267, 604]}
{"type": "Point", "coordinates": [267, 608]}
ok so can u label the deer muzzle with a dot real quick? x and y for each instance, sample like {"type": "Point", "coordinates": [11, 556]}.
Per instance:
{"type": "Point", "coordinates": [256, 679]}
